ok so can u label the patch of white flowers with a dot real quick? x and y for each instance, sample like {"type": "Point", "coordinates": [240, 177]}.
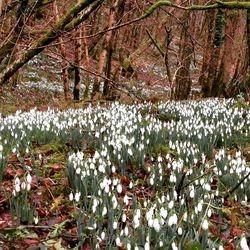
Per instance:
{"type": "Point", "coordinates": [182, 177]}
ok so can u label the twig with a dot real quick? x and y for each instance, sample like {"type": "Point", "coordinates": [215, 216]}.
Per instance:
{"type": "Point", "coordinates": [238, 184]}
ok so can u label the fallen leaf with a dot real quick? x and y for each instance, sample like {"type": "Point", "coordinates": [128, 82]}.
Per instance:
{"type": "Point", "coordinates": [57, 202]}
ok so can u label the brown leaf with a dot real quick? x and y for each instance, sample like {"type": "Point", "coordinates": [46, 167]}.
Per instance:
{"type": "Point", "coordinates": [31, 242]}
{"type": "Point", "coordinates": [236, 231]}
{"type": "Point", "coordinates": [42, 212]}
{"type": "Point", "coordinates": [5, 220]}
{"type": "Point", "coordinates": [86, 246]}
{"type": "Point", "coordinates": [56, 168]}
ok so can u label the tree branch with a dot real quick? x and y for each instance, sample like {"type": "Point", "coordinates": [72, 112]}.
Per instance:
{"type": "Point", "coordinates": [68, 22]}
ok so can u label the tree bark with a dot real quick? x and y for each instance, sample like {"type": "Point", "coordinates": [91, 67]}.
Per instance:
{"type": "Point", "coordinates": [248, 39]}
{"type": "Point", "coordinates": [106, 45]}
{"type": "Point", "coordinates": [203, 79]}
{"type": "Point", "coordinates": [183, 81]}
{"type": "Point", "coordinates": [86, 63]}
{"type": "Point", "coordinates": [217, 88]}
{"type": "Point", "coordinates": [65, 75]}
{"type": "Point", "coordinates": [68, 22]}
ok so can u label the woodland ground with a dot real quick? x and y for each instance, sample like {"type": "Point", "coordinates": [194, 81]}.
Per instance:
{"type": "Point", "coordinates": [57, 228]}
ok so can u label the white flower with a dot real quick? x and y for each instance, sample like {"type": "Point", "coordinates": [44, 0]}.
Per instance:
{"type": "Point", "coordinates": [205, 225]}
{"type": "Point", "coordinates": [119, 188]}
{"type": "Point", "coordinates": [124, 217]}
{"type": "Point", "coordinates": [243, 243]}
{"type": "Point", "coordinates": [77, 196]}
{"type": "Point", "coordinates": [199, 207]}
{"type": "Point", "coordinates": [156, 225]}
{"type": "Point", "coordinates": [28, 187]}
{"type": "Point", "coordinates": [71, 196]}
{"type": "Point", "coordinates": [103, 235]}
{"type": "Point", "coordinates": [104, 211]}
{"type": "Point", "coordinates": [117, 241]}
{"type": "Point", "coordinates": [126, 231]}
{"type": "Point", "coordinates": [163, 212]}
{"type": "Point", "coordinates": [191, 194]}
{"type": "Point", "coordinates": [172, 220]}
{"type": "Point", "coordinates": [174, 247]}
{"type": "Point", "coordinates": [130, 152]}
{"type": "Point", "coordinates": [209, 213]}
{"type": "Point", "coordinates": [115, 224]}
{"type": "Point", "coordinates": [130, 185]}
{"type": "Point", "coordinates": [36, 220]}
{"type": "Point", "coordinates": [1, 148]}
{"type": "Point", "coordinates": [23, 185]}
{"type": "Point", "coordinates": [114, 201]}
{"type": "Point", "coordinates": [125, 199]}
{"type": "Point", "coordinates": [179, 230]}
{"type": "Point", "coordinates": [147, 246]}
{"type": "Point", "coordinates": [17, 188]}
{"type": "Point", "coordinates": [136, 222]}
{"type": "Point", "coordinates": [128, 246]}
{"type": "Point", "coordinates": [170, 204]}
{"type": "Point", "coordinates": [29, 178]}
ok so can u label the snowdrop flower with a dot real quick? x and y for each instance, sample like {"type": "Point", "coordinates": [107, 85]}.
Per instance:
{"type": "Point", "coordinates": [179, 230]}
{"type": "Point", "coordinates": [147, 246]}
{"type": "Point", "coordinates": [128, 246]}
{"type": "Point", "coordinates": [77, 196]}
{"type": "Point", "coordinates": [115, 224]}
{"type": "Point", "coordinates": [36, 220]}
{"type": "Point", "coordinates": [125, 199]}
{"type": "Point", "coordinates": [130, 152]}
{"type": "Point", "coordinates": [205, 225]}
{"type": "Point", "coordinates": [243, 243]}
{"type": "Point", "coordinates": [28, 186]}
{"type": "Point", "coordinates": [199, 207]}
{"type": "Point", "coordinates": [23, 185]}
{"type": "Point", "coordinates": [209, 213]}
{"type": "Point", "coordinates": [174, 247]}
{"type": "Point", "coordinates": [172, 220]}
{"type": "Point", "coordinates": [126, 231]}
{"type": "Point", "coordinates": [119, 188]}
{"type": "Point", "coordinates": [103, 235]}
{"type": "Point", "coordinates": [17, 188]}
{"type": "Point", "coordinates": [156, 225]}
{"type": "Point", "coordinates": [163, 212]}
{"type": "Point", "coordinates": [124, 218]}
{"type": "Point", "coordinates": [171, 204]}
{"type": "Point", "coordinates": [29, 178]}
{"type": "Point", "coordinates": [191, 194]}
{"type": "Point", "coordinates": [113, 169]}
{"type": "Point", "coordinates": [117, 241]}
{"type": "Point", "coordinates": [71, 196]}
{"type": "Point", "coordinates": [104, 211]}
{"type": "Point", "coordinates": [114, 201]}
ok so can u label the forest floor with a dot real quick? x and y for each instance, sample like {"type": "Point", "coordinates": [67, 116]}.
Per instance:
{"type": "Point", "coordinates": [48, 163]}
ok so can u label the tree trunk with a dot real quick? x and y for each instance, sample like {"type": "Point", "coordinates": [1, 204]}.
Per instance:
{"type": "Point", "coordinates": [203, 79]}
{"type": "Point", "coordinates": [87, 63]}
{"type": "Point", "coordinates": [77, 71]}
{"type": "Point", "coordinates": [106, 47]}
{"type": "Point", "coordinates": [217, 88]}
{"type": "Point", "coordinates": [68, 22]}
{"type": "Point", "coordinates": [183, 80]}
{"type": "Point", "coordinates": [248, 39]}
{"type": "Point", "coordinates": [65, 75]}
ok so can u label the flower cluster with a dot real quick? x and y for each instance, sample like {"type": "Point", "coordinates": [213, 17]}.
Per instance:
{"type": "Point", "coordinates": [143, 178]}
